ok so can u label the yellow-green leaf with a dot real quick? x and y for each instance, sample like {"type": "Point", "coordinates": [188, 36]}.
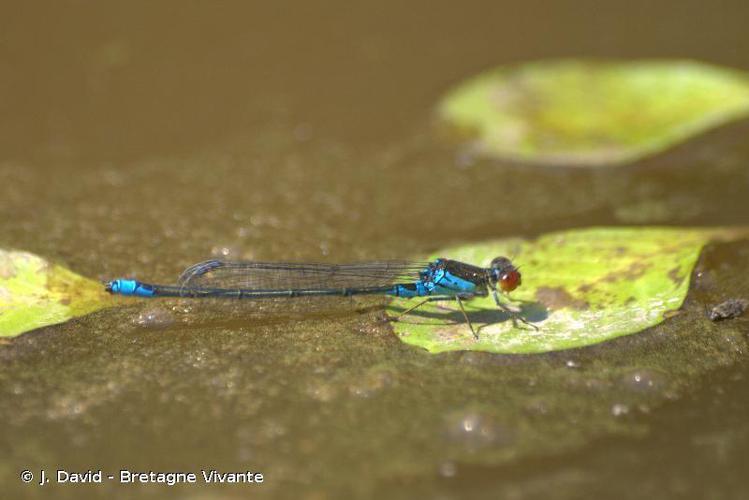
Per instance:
{"type": "Point", "coordinates": [577, 112]}
{"type": "Point", "coordinates": [35, 293]}
{"type": "Point", "coordinates": [579, 287]}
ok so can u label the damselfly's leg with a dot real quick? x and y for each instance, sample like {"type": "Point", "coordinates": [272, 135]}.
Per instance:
{"type": "Point", "coordinates": [513, 314]}
{"type": "Point", "coordinates": [396, 318]}
{"type": "Point", "coordinates": [463, 310]}
{"type": "Point", "coordinates": [430, 299]}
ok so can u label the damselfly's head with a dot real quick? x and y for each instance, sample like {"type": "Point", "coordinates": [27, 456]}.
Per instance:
{"type": "Point", "coordinates": [503, 273]}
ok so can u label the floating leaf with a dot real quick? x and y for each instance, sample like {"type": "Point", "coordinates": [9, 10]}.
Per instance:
{"type": "Point", "coordinates": [580, 287]}
{"type": "Point", "coordinates": [35, 293]}
{"type": "Point", "coordinates": [598, 113]}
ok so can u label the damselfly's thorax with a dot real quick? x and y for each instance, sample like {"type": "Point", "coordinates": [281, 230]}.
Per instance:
{"type": "Point", "coordinates": [501, 273]}
{"type": "Point", "coordinates": [465, 271]}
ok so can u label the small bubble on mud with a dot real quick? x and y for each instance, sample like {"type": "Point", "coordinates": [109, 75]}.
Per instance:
{"type": "Point", "coordinates": [447, 469]}
{"type": "Point", "coordinates": [154, 318]}
{"type": "Point", "coordinates": [536, 407]}
{"type": "Point", "coordinates": [225, 251]}
{"type": "Point", "coordinates": [182, 308]}
{"type": "Point", "coordinates": [644, 380]}
{"type": "Point", "coordinates": [371, 383]}
{"type": "Point", "coordinates": [476, 431]}
{"type": "Point", "coordinates": [321, 391]}
{"type": "Point", "coordinates": [619, 409]}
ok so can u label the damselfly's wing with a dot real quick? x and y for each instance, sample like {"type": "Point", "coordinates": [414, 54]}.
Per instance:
{"type": "Point", "coordinates": [298, 276]}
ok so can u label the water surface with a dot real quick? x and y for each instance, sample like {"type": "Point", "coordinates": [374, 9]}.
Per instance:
{"type": "Point", "coordinates": [137, 139]}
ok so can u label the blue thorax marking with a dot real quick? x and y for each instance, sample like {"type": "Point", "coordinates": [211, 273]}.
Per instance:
{"type": "Point", "coordinates": [435, 280]}
{"type": "Point", "coordinates": [450, 284]}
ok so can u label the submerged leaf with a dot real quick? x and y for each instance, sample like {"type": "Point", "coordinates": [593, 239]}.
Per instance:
{"type": "Point", "coordinates": [580, 287]}
{"type": "Point", "coordinates": [35, 293]}
{"type": "Point", "coordinates": [598, 113]}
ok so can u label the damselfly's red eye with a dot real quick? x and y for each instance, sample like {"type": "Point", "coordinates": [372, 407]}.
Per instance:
{"type": "Point", "coordinates": [510, 280]}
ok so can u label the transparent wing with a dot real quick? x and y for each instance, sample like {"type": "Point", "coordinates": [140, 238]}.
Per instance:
{"type": "Point", "coordinates": [298, 276]}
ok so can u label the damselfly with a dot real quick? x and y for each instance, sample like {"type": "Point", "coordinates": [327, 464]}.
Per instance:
{"type": "Point", "coordinates": [441, 279]}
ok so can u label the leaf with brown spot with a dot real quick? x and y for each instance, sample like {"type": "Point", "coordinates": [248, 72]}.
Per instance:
{"type": "Point", "coordinates": [555, 298]}
{"type": "Point", "coordinates": [35, 293]}
{"type": "Point", "coordinates": [580, 287]}
{"type": "Point", "coordinates": [592, 112]}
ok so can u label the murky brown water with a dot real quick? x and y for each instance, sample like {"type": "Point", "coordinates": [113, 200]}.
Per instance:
{"type": "Point", "coordinates": [137, 139]}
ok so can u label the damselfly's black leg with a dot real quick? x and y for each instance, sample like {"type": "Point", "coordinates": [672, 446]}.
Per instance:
{"type": "Point", "coordinates": [463, 310]}
{"type": "Point", "coordinates": [396, 318]}
{"type": "Point", "coordinates": [431, 299]}
{"type": "Point", "coordinates": [513, 314]}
